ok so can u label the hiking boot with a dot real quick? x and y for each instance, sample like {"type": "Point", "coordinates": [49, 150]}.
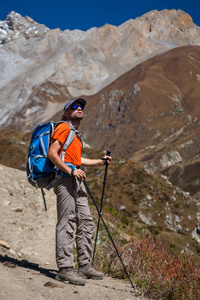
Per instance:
{"type": "Point", "coordinates": [68, 274]}
{"type": "Point", "coordinates": [87, 271]}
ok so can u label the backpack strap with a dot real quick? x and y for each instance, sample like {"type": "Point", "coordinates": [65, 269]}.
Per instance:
{"type": "Point", "coordinates": [70, 137]}
{"type": "Point", "coordinates": [68, 141]}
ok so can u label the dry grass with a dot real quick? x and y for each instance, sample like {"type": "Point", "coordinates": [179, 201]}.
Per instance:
{"type": "Point", "coordinates": [158, 273]}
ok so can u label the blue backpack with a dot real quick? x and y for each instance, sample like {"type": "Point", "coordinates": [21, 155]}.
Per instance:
{"type": "Point", "coordinates": [40, 170]}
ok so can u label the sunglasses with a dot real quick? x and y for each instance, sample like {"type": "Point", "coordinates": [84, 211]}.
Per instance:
{"type": "Point", "coordinates": [75, 106]}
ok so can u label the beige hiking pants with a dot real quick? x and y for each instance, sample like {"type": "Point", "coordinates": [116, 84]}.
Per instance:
{"type": "Point", "coordinates": [73, 214]}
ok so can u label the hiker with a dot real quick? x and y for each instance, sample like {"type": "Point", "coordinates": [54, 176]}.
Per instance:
{"type": "Point", "coordinates": [72, 202]}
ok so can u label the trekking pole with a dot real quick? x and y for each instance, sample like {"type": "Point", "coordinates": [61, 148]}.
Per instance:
{"type": "Point", "coordinates": [100, 215]}
{"type": "Point", "coordinates": [102, 199]}
{"type": "Point", "coordinates": [43, 195]}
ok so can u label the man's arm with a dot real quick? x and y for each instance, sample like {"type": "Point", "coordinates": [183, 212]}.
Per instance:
{"type": "Point", "coordinates": [54, 156]}
{"type": "Point", "coordinates": [95, 162]}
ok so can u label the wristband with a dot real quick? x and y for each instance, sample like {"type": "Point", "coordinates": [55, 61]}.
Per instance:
{"type": "Point", "coordinates": [72, 172]}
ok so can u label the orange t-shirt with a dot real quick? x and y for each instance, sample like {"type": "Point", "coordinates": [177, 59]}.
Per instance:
{"type": "Point", "coordinates": [73, 152]}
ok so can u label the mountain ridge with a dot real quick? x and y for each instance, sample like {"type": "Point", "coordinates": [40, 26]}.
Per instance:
{"type": "Point", "coordinates": [42, 68]}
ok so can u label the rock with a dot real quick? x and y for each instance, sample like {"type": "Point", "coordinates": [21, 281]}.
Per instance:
{"type": "Point", "coordinates": [9, 264]}
{"type": "Point", "coordinates": [17, 209]}
{"type": "Point", "coordinates": [5, 245]}
{"type": "Point", "coordinates": [122, 208]}
{"type": "Point", "coordinates": [196, 234]}
{"type": "Point", "coordinates": [11, 251]}
{"type": "Point", "coordinates": [198, 229]}
{"type": "Point", "coordinates": [52, 285]}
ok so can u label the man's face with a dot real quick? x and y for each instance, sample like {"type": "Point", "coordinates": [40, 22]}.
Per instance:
{"type": "Point", "coordinates": [75, 111]}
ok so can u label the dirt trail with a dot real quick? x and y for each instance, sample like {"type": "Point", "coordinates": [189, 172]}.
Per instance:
{"type": "Point", "coordinates": [27, 249]}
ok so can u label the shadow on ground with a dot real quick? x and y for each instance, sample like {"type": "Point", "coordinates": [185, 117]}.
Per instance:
{"type": "Point", "coordinates": [13, 262]}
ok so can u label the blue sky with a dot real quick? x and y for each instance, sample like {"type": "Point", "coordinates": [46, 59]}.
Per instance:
{"type": "Point", "coordinates": [77, 14]}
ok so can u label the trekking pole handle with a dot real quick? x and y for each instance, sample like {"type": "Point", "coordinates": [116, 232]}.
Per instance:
{"type": "Point", "coordinates": [80, 168]}
{"type": "Point", "coordinates": [108, 154]}
{"type": "Point", "coordinates": [106, 159]}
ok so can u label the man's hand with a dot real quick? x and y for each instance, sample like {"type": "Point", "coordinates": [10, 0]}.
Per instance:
{"type": "Point", "coordinates": [80, 174]}
{"type": "Point", "coordinates": [106, 160]}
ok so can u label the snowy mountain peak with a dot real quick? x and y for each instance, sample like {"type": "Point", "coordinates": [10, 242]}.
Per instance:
{"type": "Point", "coordinates": [16, 25]}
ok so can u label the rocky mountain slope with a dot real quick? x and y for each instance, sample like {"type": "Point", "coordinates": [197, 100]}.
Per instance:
{"type": "Point", "coordinates": [41, 68]}
{"type": "Point", "coordinates": [152, 114]}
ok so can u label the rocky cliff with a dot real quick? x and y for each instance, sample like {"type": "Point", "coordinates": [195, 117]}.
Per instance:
{"type": "Point", "coordinates": [42, 68]}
